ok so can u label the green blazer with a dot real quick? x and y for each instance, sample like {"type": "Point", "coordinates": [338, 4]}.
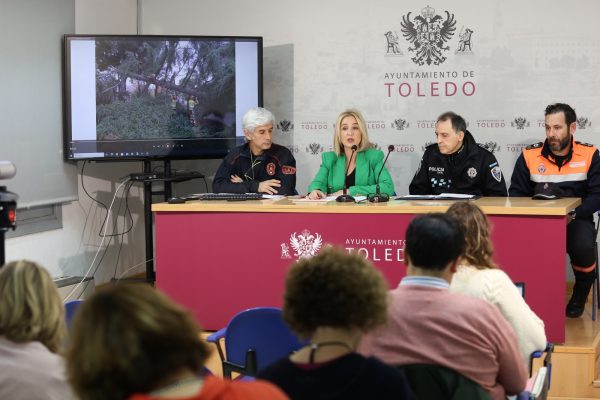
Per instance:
{"type": "Point", "coordinates": [332, 173]}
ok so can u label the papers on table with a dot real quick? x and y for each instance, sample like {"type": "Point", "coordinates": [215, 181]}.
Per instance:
{"type": "Point", "coordinates": [442, 196]}
{"type": "Point", "coordinates": [325, 199]}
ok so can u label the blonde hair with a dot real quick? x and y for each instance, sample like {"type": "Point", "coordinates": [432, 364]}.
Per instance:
{"type": "Point", "coordinates": [30, 306]}
{"type": "Point", "coordinates": [479, 251]}
{"type": "Point", "coordinates": [362, 126]}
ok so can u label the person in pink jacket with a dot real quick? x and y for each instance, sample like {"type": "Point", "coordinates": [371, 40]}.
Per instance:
{"type": "Point", "coordinates": [429, 324]}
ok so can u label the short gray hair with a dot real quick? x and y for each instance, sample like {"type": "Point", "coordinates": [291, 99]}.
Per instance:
{"type": "Point", "coordinates": [257, 116]}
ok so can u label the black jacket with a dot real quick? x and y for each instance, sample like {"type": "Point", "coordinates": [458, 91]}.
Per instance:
{"type": "Point", "coordinates": [275, 163]}
{"type": "Point", "coordinates": [471, 170]}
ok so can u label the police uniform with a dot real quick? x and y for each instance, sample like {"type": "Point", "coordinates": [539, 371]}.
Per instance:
{"type": "Point", "coordinates": [274, 163]}
{"type": "Point", "coordinates": [471, 170]}
{"type": "Point", "coordinates": [577, 175]}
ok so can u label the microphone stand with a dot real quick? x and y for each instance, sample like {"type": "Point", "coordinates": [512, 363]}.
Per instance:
{"type": "Point", "coordinates": [379, 197]}
{"type": "Point", "coordinates": [345, 197]}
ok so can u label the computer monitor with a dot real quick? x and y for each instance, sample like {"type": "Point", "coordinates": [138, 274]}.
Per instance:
{"type": "Point", "coordinates": [158, 97]}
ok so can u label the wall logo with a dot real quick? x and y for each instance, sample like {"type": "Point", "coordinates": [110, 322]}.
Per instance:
{"type": "Point", "coordinates": [426, 124]}
{"type": "Point", "coordinates": [464, 43]}
{"type": "Point", "coordinates": [490, 123]}
{"type": "Point", "coordinates": [583, 122]}
{"type": "Point", "coordinates": [285, 125]}
{"type": "Point", "coordinates": [314, 126]}
{"type": "Point", "coordinates": [303, 245]}
{"type": "Point", "coordinates": [520, 123]}
{"type": "Point", "coordinates": [400, 124]}
{"type": "Point", "coordinates": [426, 145]}
{"type": "Point", "coordinates": [428, 33]}
{"type": "Point", "coordinates": [393, 49]}
{"type": "Point", "coordinates": [492, 147]}
{"type": "Point", "coordinates": [314, 148]}
{"type": "Point", "coordinates": [373, 125]}
{"type": "Point", "coordinates": [293, 148]}
{"type": "Point", "coordinates": [404, 148]}
{"type": "Point", "coordinates": [515, 148]}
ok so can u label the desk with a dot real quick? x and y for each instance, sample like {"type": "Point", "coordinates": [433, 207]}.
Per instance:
{"type": "Point", "coordinates": [219, 257]}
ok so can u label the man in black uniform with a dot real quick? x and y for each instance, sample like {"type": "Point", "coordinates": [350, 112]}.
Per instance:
{"type": "Point", "coordinates": [457, 164]}
{"type": "Point", "coordinates": [259, 165]}
{"type": "Point", "coordinates": [575, 168]}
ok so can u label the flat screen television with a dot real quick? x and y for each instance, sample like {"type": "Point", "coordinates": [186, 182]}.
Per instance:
{"type": "Point", "coordinates": [158, 97]}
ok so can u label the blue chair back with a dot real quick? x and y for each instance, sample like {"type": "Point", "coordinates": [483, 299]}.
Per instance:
{"type": "Point", "coordinates": [70, 309]}
{"type": "Point", "coordinates": [263, 331]}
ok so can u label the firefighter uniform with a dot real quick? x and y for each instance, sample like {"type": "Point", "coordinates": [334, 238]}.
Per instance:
{"type": "Point", "coordinates": [471, 170]}
{"type": "Point", "coordinates": [577, 175]}
{"type": "Point", "coordinates": [274, 163]}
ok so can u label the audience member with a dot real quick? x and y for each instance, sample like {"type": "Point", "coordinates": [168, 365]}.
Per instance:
{"type": "Point", "coordinates": [479, 276]}
{"type": "Point", "coordinates": [429, 324]}
{"type": "Point", "coordinates": [132, 342]}
{"type": "Point", "coordinates": [332, 299]}
{"type": "Point", "coordinates": [32, 329]}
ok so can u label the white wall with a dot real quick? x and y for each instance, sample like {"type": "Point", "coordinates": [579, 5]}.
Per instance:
{"type": "Point", "coordinates": [70, 250]}
{"type": "Point", "coordinates": [321, 57]}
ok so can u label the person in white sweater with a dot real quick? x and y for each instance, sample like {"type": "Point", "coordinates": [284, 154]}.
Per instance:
{"type": "Point", "coordinates": [479, 276]}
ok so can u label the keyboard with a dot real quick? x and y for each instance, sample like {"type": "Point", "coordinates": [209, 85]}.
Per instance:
{"type": "Point", "coordinates": [231, 196]}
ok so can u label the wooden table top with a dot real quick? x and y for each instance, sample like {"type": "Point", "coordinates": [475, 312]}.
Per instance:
{"type": "Point", "coordinates": [490, 205]}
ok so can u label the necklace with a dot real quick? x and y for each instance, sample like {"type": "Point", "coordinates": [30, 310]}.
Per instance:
{"type": "Point", "coordinates": [253, 163]}
{"type": "Point", "coordinates": [316, 346]}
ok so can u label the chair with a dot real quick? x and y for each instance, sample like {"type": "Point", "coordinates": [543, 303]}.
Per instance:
{"type": "Point", "coordinates": [596, 286]}
{"type": "Point", "coordinates": [437, 382]}
{"type": "Point", "coordinates": [254, 338]}
{"type": "Point", "coordinates": [542, 380]}
{"type": "Point", "coordinates": [547, 359]}
{"type": "Point", "coordinates": [71, 307]}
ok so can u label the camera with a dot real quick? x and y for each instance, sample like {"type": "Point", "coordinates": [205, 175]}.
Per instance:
{"type": "Point", "coordinates": [8, 200]}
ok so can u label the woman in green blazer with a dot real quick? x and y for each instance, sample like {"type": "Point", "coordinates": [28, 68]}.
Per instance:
{"type": "Point", "coordinates": [350, 130]}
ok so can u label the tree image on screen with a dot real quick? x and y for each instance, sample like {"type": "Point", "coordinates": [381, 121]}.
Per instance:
{"type": "Point", "coordinates": [165, 89]}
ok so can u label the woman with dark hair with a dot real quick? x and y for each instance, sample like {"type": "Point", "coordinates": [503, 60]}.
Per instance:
{"type": "Point", "coordinates": [332, 299]}
{"type": "Point", "coordinates": [479, 276]}
{"type": "Point", "coordinates": [32, 329]}
{"type": "Point", "coordinates": [132, 342]}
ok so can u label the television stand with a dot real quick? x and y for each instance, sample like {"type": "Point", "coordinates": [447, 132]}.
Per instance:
{"type": "Point", "coordinates": [147, 178]}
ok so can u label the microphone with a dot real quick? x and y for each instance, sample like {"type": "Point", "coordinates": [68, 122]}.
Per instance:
{"type": "Point", "coordinates": [345, 197]}
{"type": "Point", "coordinates": [378, 197]}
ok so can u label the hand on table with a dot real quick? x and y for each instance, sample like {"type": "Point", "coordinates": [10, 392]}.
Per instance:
{"type": "Point", "coordinates": [270, 186]}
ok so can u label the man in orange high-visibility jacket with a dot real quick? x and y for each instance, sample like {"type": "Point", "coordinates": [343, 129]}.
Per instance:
{"type": "Point", "coordinates": [575, 168]}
